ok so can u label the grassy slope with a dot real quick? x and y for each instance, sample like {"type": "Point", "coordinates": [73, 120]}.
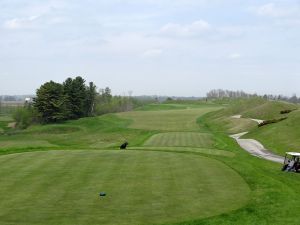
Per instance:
{"type": "Point", "coordinates": [268, 110]}
{"type": "Point", "coordinates": [99, 132]}
{"type": "Point", "coordinates": [274, 193]}
{"type": "Point", "coordinates": [62, 188]}
{"type": "Point", "coordinates": [280, 137]}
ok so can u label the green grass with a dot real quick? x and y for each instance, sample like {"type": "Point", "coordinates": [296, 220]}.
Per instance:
{"type": "Point", "coordinates": [167, 120]}
{"type": "Point", "coordinates": [280, 137]}
{"type": "Point", "coordinates": [176, 105]}
{"type": "Point", "coordinates": [61, 187]}
{"type": "Point", "coordinates": [158, 107]}
{"type": "Point", "coordinates": [180, 139]}
{"type": "Point", "coordinates": [4, 121]}
{"type": "Point", "coordinates": [107, 131]}
{"type": "Point", "coordinates": [258, 108]}
{"type": "Point", "coordinates": [269, 110]}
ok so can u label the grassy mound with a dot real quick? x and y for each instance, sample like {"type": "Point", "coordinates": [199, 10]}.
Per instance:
{"type": "Point", "coordinates": [180, 139]}
{"type": "Point", "coordinates": [268, 110]}
{"type": "Point", "coordinates": [61, 187]}
{"type": "Point", "coordinates": [96, 132]}
{"type": "Point", "coordinates": [256, 108]}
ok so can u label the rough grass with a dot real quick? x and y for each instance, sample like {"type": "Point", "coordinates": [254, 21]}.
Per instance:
{"type": "Point", "coordinates": [180, 139]}
{"type": "Point", "coordinates": [61, 187]}
{"type": "Point", "coordinates": [280, 137]}
{"type": "Point", "coordinates": [4, 121]}
{"type": "Point", "coordinates": [167, 120]}
{"type": "Point", "coordinates": [257, 108]}
{"type": "Point", "coordinates": [97, 132]}
{"type": "Point", "coordinates": [268, 110]}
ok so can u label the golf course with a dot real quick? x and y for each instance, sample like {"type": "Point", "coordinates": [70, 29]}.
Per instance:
{"type": "Point", "coordinates": [181, 167]}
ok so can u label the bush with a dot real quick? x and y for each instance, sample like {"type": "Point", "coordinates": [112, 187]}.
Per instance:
{"type": "Point", "coordinates": [286, 111]}
{"type": "Point", "coordinates": [24, 117]}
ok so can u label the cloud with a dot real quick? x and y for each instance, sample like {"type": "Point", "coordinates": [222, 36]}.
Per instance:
{"type": "Point", "coordinates": [186, 30]}
{"type": "Point", "coordinates": [235, 56]}
{"type": "Point", "coordinates": [273, 10]}
{"type": "Point", "coordinates": [20, 23]}
{"type": "Point", "coordinates": [152, 53]}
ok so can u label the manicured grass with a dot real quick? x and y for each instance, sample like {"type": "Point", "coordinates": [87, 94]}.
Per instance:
{"type": "Point", "coordinates": [62, 187]}
{"type": "Point", "coordinates": [167, 120]}
{"type": "Point", "coordinates": [180, 139]}
{"type": "Point", "coordinates": [158, 107]}
{"type": "Point", "coordinates": [205, 151]}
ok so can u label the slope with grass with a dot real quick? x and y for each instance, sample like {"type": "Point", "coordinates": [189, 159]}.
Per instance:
{"type": "Point", "coordinates": [280, 137]}
{"type": "Point", "coordinates": [106, 131]}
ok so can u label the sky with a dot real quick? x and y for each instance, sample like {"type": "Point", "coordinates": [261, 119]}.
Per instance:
{"type": "Point", "coordinates": [148, 47]}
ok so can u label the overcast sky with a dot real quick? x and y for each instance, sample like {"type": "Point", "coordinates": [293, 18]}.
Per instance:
{"type": "Point", "coordinates": [163, 47]}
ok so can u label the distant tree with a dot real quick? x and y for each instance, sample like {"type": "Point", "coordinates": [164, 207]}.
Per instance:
{"type": "Point", "coordinates": [91, 94]}
{"type": "Point", "coordinates": [294, 99]}
{"type": "Point", "coordinates": [50, 102]}
{"type": "Point", "coordinates": [105, 96]}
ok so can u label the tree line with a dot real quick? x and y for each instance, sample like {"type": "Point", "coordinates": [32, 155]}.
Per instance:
{"type": "Point", "coordinates": [220, 93]}
{"type": "Point", "coordinates": [72, 99]}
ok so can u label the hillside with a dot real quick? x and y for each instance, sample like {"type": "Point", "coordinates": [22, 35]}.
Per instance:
{"type": "Point", "coordinates": [280, 137]}
{"type": "Point", "coordinates": [256, 108]}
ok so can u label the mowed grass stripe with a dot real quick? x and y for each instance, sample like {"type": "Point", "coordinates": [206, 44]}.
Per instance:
{"type": "Point", "coordinates": [180, 139]}
{"type": "Point", "coordinates": [167, 120]}
{"type": "Point", "coordinates": [167, 187]}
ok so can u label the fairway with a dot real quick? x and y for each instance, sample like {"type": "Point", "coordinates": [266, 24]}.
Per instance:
{"type": "Point", "coordinates": [180, 139]}
{"type": "Point", "coordinates": [167, 120]}
{"type": "Point", "coordinates": [61, 187]}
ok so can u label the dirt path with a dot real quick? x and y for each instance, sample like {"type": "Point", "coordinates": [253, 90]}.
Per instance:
{"type": "Point", "coordinates": [254, 147]}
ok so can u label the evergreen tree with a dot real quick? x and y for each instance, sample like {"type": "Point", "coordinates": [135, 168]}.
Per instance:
{"type": "Point", "coordinates": [75, 92]}
{"type": "Point", "coordinates": [50, 102]}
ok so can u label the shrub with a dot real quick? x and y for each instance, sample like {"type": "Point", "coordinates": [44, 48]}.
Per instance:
{"type": "Point", "coordinates": [266, 122]}
{"type": "Point", "coordinates": [286, 111]}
